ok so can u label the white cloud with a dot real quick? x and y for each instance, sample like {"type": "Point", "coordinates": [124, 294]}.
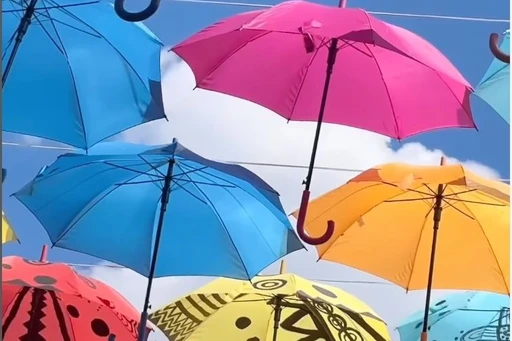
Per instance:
{"type": "Point", "coordinates": [225, 128]}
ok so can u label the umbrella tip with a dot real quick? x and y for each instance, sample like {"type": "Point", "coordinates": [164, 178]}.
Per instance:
{"type": "Point", "coordinates": [44, 253]}
{"type": "Point", "coordinates": [282, 267]}
{"type": "Point", "coordinates": [443, 161]}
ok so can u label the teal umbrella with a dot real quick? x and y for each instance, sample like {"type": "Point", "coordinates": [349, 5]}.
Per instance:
{"type": "Point", "coordinates": [466, 316]}
{"type": "Point", "coordinates": [494, 88]}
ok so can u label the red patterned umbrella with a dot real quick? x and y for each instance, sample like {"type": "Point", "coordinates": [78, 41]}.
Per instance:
{"type": "Point", "coordinates": [44, 301]}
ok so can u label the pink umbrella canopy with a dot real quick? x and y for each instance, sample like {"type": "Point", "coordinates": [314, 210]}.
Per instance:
{"type": "Point", "coordinates": [380, 77]}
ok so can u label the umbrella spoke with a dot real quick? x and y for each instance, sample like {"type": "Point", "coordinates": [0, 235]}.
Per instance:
{"type": "Point", "coordinates": [133, 170]}
{"type": "Point", "coordinates": [179, 186]}
{"type": "Point", "coordinates": [155, 168]}
{"type": "Point", "coordinates": [459, 210]}
{"type": "Point", "coordinates": [59, 47]}
{"type": "Point", "coordinates": [406, 200]}
{"type": "Point", "coordinates": [459, 193]}
{"type": "Point", "coordinates": [48, 16]}
{"type": "Point", "coordinates": [202, 183]}
{"type": "Point", "coordinates": [477, 202]}
{"type": "Point", "coordinates": [109, 43]}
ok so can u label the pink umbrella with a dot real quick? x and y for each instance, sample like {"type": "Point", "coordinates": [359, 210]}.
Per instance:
{"type": "Point", "coordinates": [386, 79]}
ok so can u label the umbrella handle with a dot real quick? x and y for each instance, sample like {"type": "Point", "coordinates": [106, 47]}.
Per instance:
{"type": "Point", "coordinates": [495, 49]}
{"type": "Point", "coordinates": [136, 16]}
{"type": "Point", "coordinates": [301, 218]}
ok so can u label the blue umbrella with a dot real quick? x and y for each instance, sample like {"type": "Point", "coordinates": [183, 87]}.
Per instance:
{"type": "Point", "coordinates": [494, 88]}
{"type": "Point", "coordinates": [212, 219]}
{"type": "Point", "coordinates": [468, 316]}
{"type": "Point", "coordinates": [76, 73]}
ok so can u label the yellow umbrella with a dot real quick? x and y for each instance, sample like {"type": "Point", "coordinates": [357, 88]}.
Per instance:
{"type": "Point", "coordinates": [283, 307]}
{"type": "Point", "coordinates": [383, 222]}
{"type": "Point", "coordinates": [8, 234]}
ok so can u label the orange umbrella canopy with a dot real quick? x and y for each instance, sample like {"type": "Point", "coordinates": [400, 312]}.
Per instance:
{"type": "Point", "coordinates": [384, 226]}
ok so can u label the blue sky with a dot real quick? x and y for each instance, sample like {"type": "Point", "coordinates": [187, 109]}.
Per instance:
{"type": "Point", "coordinates": [463, 42]}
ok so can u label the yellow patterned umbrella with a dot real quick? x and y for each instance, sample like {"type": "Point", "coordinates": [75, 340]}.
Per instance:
{"type": "Point", "coordinates": [283, 307]}
{"type": "Point", "coordinates": [8, 234]}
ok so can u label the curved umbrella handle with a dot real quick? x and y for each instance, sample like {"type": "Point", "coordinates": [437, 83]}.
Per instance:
{"type": "Point", "coordinates": [495, 49]}
{"type": "Point", "coordinates": [136, 16]}
{"type": "Point", "coordinates": [301, 218]}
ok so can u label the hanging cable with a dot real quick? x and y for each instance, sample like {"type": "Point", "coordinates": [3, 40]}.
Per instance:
{"type": "Point", "coordinates": [393, 14]}
{"type": "Point", "coordinates": [242, 163]}
{"type": "Point", "coordinates": [114, 266]}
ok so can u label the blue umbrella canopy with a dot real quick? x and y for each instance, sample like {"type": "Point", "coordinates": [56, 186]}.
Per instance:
{"type": "Point", "coordinates": [220, 220]}
{"type": "Point", "coordinates": [494, 88]}
{"type": "Point", "coordinates": [468, 316]}
{"type": "Point", "coordinates": [80, 73]}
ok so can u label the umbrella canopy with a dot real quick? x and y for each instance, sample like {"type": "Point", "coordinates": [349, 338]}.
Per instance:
{"type": "Point", "coordinates": [464, 317]}
{"type": "Point", "coordinates": [382, 221]}
{"type": "Point", "coordinates": [216, 216]}
{"type": "Point", "coordinates": [241, 310]}
{"type": "Point", "coordinates": [378, 81]}
{"type": "Point", "coordinates": [494, 88]}
{"type": "Point", "coordinates": [310, 62]}
{"type": "Point", "coordinates": [80, 74]}
{"type": "Point", "coordinates": [50, 301]}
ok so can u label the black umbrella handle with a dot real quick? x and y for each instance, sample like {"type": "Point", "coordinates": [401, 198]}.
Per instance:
{"type": "Point", "coordinates": [495, 49]}
{"type": "Point", "coordinates": [136, 16]}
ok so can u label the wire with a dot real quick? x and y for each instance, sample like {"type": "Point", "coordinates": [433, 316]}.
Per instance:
{"type": "Point", "coordinates": [115, 266]}
{"type": "Point", "coordinates": [244, 163]}
{"type": "Point", "coordinates": [14, 144]}
{"type": "Point", "coordinates": [393, 14]}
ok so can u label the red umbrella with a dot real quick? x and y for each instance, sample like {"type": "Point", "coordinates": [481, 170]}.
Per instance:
{"type": "Point", "coordinates": [44, 301]}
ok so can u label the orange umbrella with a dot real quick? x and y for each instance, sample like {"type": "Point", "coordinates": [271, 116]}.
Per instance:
{"type": "Point", "coordinates": [383, 220]}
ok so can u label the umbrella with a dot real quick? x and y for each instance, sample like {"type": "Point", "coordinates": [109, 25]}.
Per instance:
{"type": "Point", "coordinates": [8, 234]}
{"type": "Point", "coordinates": [359, 71]}
{"type": "Point", "coordinates": [465, 316]}
{"type": "Point", "coordinates": [211, 219]}
{"type": "Point", "coordinates": [71, 75]}
{"type": "Point", "coordinates": [383, 218]}
{"type": "Point", "coordinates": [50, 301]}
{"type": "Point", "coordinates": [494, 88]}
{"type": "Point", "coordinates": [284, 307]}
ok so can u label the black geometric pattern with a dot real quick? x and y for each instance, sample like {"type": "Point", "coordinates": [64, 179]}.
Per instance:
{"type": "Point", "coordinates": [35, 324]}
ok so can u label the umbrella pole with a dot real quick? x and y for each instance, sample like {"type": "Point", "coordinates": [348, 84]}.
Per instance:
{"type": "Point", "coordinates": [277, 315]}
{"type": "Point", "coordinates": [20, 33]}
{"type": "Point", "coordinates": [331, 59]}
{"type": "Point", "coordinates": [166, 192]}
{"type": "Point", "coordinates": [438, 209]}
